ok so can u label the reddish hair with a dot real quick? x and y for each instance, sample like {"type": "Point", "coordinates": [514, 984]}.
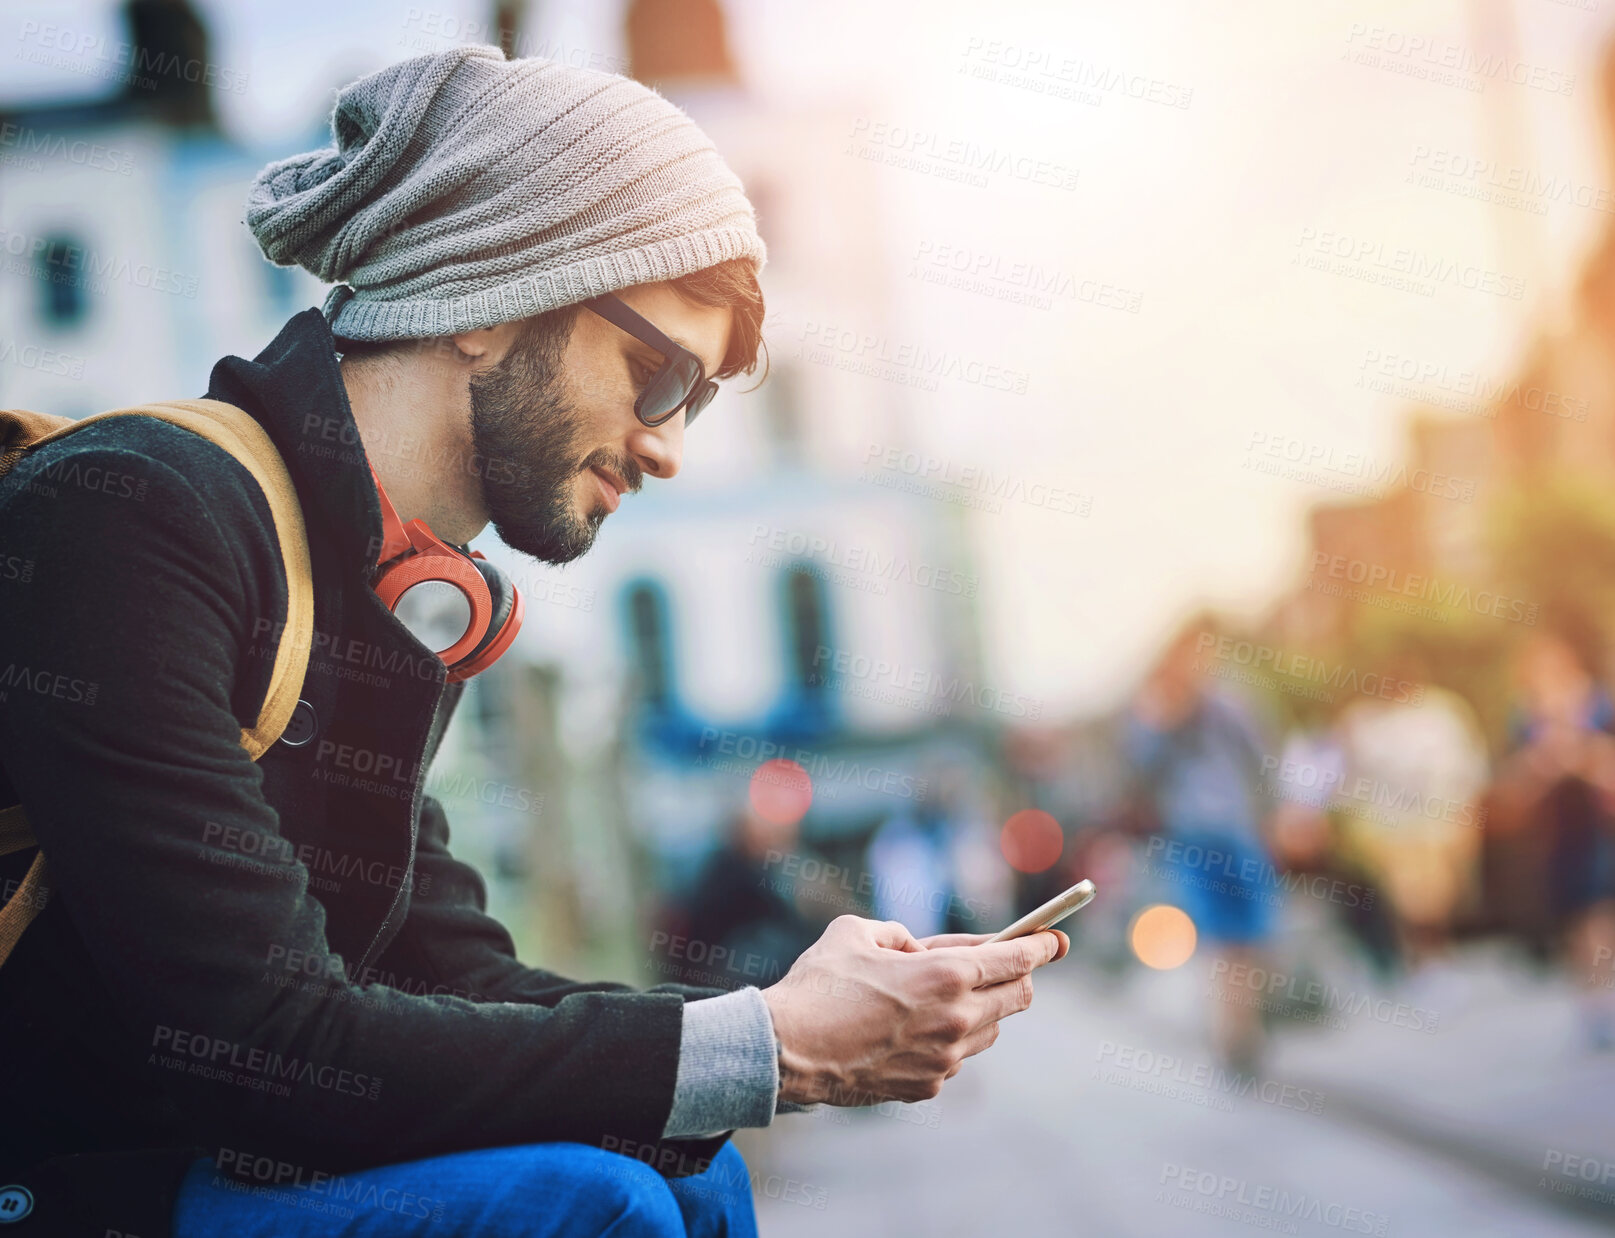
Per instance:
{"type": "Point", "coordinates": [732, 284]}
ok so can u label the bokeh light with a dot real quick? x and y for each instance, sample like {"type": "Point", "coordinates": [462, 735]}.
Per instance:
{"type": "Point", "coordinates": [1031, 841]}
{"type": "Point", "coordinates": [781, 792]}
{"type": "Point", "coordinates": [1163, 937]}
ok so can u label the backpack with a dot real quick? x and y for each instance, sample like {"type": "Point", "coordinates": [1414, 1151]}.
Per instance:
{"type": "Point", "coordinates": [234, 430]}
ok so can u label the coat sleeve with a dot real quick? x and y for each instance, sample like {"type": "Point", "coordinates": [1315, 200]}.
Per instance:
{"type": "Point", "coordinates": [727, 1075]}
{"type": "Point", "coordinates": [117, 730]}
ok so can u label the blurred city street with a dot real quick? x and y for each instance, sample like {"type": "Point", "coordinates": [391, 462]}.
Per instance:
{"type": "Point", "coordinates": [1182, 456]}
{"type": "Point", "coordinates": [1047, 1133]}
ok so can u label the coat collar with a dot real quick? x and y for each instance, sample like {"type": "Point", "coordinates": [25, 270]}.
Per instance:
{"type": "Point", "coordinates": [294, 389]}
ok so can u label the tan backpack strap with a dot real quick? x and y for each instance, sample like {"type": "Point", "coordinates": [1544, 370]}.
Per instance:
{"type": "Point", "coordinates": [28, 901]}
{"type": "Point", "coordinates": [235, 430]}
{"type": "Point", "coordinates": [15, 832]}
{"type": "Point", "coordinates": [29, 898]}
{"type": "Point", "coordinates": [20, 429]}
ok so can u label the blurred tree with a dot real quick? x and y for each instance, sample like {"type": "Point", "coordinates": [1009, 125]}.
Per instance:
{"type": "Point", "coordinates": [1554, 542]}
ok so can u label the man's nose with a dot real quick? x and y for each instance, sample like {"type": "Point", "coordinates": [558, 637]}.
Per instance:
{"type": "Point", "coordinates": [659, 450]}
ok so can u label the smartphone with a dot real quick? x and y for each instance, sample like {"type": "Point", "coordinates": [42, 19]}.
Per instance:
{"type": "Point", "coordinates": [1051, 913]}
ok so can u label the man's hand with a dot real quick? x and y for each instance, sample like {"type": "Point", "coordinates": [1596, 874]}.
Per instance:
{"type": "Point", "coordinates": [869, 1014]}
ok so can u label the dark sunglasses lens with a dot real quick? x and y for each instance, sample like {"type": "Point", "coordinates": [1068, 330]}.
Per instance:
{"type": "Point", "coordinates": [669, 388]}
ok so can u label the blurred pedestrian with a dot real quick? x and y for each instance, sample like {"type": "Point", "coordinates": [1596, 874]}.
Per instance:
{"type": "Point", "coordinates": [1416, 767]}
{"type": "Point", "coordinates": [1198, 749]}
{"type": "Point", "coordinates": [744, 908]}
{"type": "Point", "coordinates": [1552, 855]}
{"type": "Point", "coordinates": [1305, 836]}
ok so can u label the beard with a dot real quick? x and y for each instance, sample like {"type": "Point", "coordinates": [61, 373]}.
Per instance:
{"type": "Point", "coordinates": [528, 433]}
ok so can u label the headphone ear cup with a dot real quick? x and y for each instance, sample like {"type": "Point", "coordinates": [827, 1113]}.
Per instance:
{"type": "Point", "coordinates": [503, 593]}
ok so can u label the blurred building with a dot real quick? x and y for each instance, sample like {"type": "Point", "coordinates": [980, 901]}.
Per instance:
{"type": "Point", "coordinates": [125, 269]}
{"type": "Point", "coordinates": [1553, 419]}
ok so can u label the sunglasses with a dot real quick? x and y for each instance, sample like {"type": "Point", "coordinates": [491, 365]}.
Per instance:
{"type": "Point", "coordinates": [682, 380]}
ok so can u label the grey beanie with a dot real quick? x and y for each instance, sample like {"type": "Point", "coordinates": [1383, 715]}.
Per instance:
{"type": "Point", "coordinates": [465, 190]}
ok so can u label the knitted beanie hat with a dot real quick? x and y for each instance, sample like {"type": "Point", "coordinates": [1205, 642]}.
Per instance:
{"type": "Point", "coordinates": [465, 190]}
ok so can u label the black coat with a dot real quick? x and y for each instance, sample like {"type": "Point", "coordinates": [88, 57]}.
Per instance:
{"type": "Point", "coordinates": [246, 960]}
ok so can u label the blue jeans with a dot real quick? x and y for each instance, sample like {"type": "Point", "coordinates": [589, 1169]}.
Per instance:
{"type": "Point", "coordinates": [540, 1190]}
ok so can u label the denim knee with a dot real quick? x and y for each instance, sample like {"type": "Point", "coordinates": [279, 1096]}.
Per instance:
{"type": "Point", "coordinates": [621, 1198]}
{"type": "Point", "coordinates": [719, 1200]}
{"type": "Point", "coordinates": [728, 1171]}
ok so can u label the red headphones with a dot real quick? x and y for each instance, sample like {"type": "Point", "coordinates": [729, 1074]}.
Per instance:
{"type": "Point", "coordinates": [452, 600]}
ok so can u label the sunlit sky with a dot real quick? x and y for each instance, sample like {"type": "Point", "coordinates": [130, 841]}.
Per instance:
{"type": "Point", "coordinates": [1200, 209]}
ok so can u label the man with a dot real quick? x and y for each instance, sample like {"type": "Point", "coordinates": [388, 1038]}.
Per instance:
{"type": "Point", "coordinates": [264, 998]}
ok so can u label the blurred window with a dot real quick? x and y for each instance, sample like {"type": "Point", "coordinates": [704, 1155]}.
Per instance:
{"type": "Point", "coordinates": [62, 300]}
{"type": "Point", "coordinates": [650, 642]}
{"type": "Point", "coordinates": [807, 620]}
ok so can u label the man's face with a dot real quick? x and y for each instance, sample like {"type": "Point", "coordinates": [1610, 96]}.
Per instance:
{"type": "Point", "coordinates": [555, 421]}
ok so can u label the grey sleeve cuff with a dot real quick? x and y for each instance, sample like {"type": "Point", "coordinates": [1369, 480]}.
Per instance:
{"type": "Point", "coordinates": [728, 1066]}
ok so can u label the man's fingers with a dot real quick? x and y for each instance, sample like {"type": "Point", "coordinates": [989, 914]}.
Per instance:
{"type": "Point", "coordinates": [999, 961]}
{"type": "Point", "coordinates": [892, 934]}
{"type": "Point", "coordinates": [981, 1038]}
{"type": "Point", "coordinates": [976, 939]}
{"type": "Point", "coordinates": [1001, 1000]}
{"type": "Point", "coordinates": [953, 939]}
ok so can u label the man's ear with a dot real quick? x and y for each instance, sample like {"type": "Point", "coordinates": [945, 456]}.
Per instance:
{"type": "Point", "coordinates": [484, 344]}
{"type": "Point", "coordinates": [476, 344]}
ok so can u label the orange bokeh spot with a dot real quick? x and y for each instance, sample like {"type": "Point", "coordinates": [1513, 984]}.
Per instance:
{"type": "Point", "coordinates": [1163, 937]}
{"type": "Point", "coordinates": [781, 792]}
{"type": "Point", "coordinates": [1031, 840]}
